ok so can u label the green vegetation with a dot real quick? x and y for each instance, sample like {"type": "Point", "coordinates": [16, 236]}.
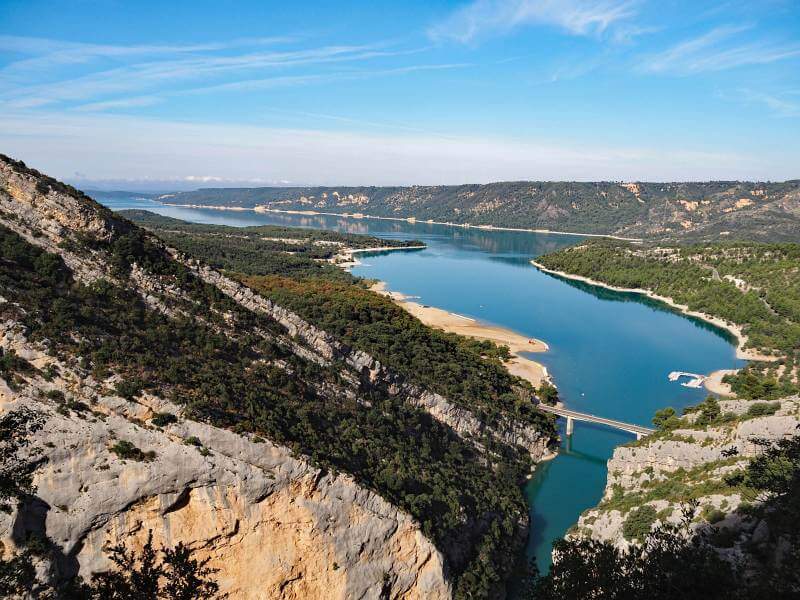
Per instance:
{"type": "Point", "coordinates": [11, 365]}
{"type": "Point", "coordinates": [755, 286]}
{"type": "Point", "coordinates": [762, 409]}
{"type": "Point", "coordinates": [466, 372]}
{"type": "Point", "coordinates": [127, 451]}
{"type": "Point", "coordinates": [675, 561]}
{"type": "Point", "coordinates": [163, 419]}
{"type": "Point", "coordinates": [214, 360]}
{"type": "Point", "coordinates": [665, 419]}
{"type": "Point", "coordinates": [263, 249]}
{"type": "Point", "coordinates": [142, 576]}
{"type": "Point", "coordinates": [16, 474]}
{"type": "Point", "coordinates": [638, 522]}
{"type": "Point", "coordinates": [677, 486]}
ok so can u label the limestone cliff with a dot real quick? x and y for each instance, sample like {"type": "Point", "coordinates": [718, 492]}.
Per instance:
{"type": "Point", "coordinates": [691, 462]}
{"type": "Point", "coordinates": [271, 523]}
{"type": "Point", "coordinates": [418, 497]}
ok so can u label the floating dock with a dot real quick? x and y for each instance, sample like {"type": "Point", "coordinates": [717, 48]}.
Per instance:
{"type": "Point", "coordinates": [695, 380]}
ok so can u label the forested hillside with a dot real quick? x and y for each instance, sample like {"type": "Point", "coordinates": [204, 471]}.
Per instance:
{"type": "Point", "coordinates": [702, 211]}
{"type": "Point", "coordinates": [263, 249]}
{"type": "Point", "coordinates": [755, 286]}
{"type": "Point", "coordinates": [339, 303]}
{"type": "Point", "coordinates": [109, 303]}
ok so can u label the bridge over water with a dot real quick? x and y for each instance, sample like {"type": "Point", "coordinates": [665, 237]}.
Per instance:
{"type": "Point", "coordinates": [573, 415]}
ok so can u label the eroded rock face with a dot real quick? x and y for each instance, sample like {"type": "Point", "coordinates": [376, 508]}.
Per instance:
{"type": "Point", "coordinates": [273, 525]}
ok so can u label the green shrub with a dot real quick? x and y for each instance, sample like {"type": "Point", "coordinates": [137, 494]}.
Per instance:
{"type": "Point", "coordinates": [128, 389]}
{"type": "Point", "coordinates": [127, 451]}
{"type": "Point", "coordinates": [55, 396]}
{"type": "Point", "coordinates": [163, 419]}
{"type": "Point", "coordinates": [713, 515]}
{"type": "Point", "coordinates": [638, 522]}
{"type": "Point", "coordinates": [763, 409]}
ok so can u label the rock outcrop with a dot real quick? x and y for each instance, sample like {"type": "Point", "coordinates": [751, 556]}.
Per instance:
{"type": "Point", "coordinates": [665, 471]}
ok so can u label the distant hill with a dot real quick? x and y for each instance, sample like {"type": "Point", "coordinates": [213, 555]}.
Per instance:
{"type": "Point", "coordinates": [703, 211]}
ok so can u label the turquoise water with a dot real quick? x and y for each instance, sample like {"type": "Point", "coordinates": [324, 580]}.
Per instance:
{"type": "Point", "coordinates": [610, 352]}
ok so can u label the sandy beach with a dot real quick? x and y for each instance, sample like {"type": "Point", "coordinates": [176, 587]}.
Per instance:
{"type": "Point", "coordinates": [715, 385]}
{"type": "Point", "coordinates": [520, 366]}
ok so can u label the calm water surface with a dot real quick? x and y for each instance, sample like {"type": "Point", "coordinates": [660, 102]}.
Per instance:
{"type": "Point", "coordinates": [610, 352]}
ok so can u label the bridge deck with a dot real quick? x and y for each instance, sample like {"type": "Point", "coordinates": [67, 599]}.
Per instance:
{"type": "Point", "coordinates": [579, 416]}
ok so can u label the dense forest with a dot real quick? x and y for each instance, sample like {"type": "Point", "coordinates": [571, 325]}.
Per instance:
{"type": "Point", "coordinates": [699, 211]}
{"type": "Point", "coordinates": [755, 286]}
{"type": "Point", "coordinates": [230, 378]}
{"type": "Point", "coordinates": [264, 249]}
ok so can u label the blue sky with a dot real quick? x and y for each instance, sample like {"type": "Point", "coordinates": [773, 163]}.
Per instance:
{"type": "Point", "coordinates": [186, 94]}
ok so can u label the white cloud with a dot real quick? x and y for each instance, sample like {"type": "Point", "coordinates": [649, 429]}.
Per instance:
{"type": "Point", "coordinates": [483, 18]}
{"type": "Point", "coordinates": [724, 47]}
{"type": "Point", "coordinates": [135, 102]}
{"type": "Point", "coordinates": [49, 53]}
{"type": "Point", "coordinates": [780, 105]}
{"type": "Point", "coordinates": [115, 147]}
{"type": "Point", "coordinates": [170, 74]}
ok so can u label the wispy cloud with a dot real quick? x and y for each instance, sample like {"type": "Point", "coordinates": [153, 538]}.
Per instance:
{"type": "Point", "coordinates": [135, 102]}
{"type": "Point", "coordinates": [783, 105]}
{"type": "Point", "coordinates": [168, 74]}
{"type": "Point", "coordinates": [45, 53]}
{"type": "Point", "coordinates": [721, 48]}
{"type": "Point", "coordinates": [484, 18]}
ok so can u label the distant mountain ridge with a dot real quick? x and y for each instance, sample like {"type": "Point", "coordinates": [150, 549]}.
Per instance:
{"type": "Point", "coordinates": [693, 211]}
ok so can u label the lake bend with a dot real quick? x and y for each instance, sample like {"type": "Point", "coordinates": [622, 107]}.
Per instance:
{"type": "Point", "coordinates": [609, 352]}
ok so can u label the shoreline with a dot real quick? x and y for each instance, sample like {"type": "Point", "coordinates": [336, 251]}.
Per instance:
{"type": "Point", "coordinates": [525, 368]}
{"type": "Point", "coordinates": [260, 209]}
{"type": "Point", "coordinates": [714, 384]}
{"type": "Point", "coordinates": [735, 330]}
{"type": "Point", "coordinates": [347, 255]}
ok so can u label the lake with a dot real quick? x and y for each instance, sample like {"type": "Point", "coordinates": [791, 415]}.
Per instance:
{"type": "Point", "coordinates": [610, 352]}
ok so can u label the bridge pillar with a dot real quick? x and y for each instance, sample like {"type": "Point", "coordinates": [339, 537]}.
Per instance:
{"type": "Point", "coordinates": [570, 425]}
{"type": "Point", "coordinates": [638, 436]}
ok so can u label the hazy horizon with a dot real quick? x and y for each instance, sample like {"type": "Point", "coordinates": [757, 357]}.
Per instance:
{"type": "Point", "coordinates": [417, 93]}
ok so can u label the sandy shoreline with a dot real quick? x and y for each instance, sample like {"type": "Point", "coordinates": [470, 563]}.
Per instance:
{"type": "Point", "coordinates": [715, 385]}
{"type": "Point", "coordinates": [735, 330]}
{"type": "Point", "coordinates": [438, 318]}
{"type": "Point", "coordinates": [261, 209]}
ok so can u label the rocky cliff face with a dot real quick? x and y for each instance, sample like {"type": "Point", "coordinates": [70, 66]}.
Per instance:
{"type": "Point", "coordinates": [667, 470]}
{"type": "Point", "coordinates": [271, 523]}
{"type": "Point", "coordinates": [274, 525]}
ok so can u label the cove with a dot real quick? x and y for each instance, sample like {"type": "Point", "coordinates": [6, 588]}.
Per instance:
{"type": "Point", "coordinates": [610, 352]}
